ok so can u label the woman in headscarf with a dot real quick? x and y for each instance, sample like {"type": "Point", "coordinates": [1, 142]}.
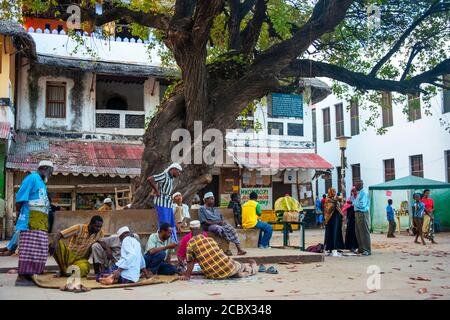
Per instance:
{"type": "Point", "coordinates": [333, 224]}
{"type": "Point", "coordinates": [351, 243]}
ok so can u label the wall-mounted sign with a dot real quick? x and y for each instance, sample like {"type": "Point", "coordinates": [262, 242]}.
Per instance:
{"type": "Point", "coordinates": [264, 196]}
{"type": "Point", "coordinates": [286, 105]}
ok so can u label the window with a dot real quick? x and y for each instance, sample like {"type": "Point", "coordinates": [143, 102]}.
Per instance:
{"type": "Point", "coordinates": [356, 173]}
{"type": "Point", "coordinates": [446, 94]}
{"type": "Point", "coordinates": [314, 128]}
{"type": "Point", "coordinates": [339, 120]}
{"type": "Point", "coordinates": [275, 128]}
{"type": "Point", "coordinates": [339, 179]}
{"type": "Point", "coordinates": [56, 100]}
{"type": "Point", "coordinates": [354, 117]}
{"type": "Point", "coordinates": [389, 170]}
{"type": "Point", "coordinates": [328, 182]}
{"type": "Point", "coordinates": [295, 129]}
{"type": "Point", "coordinates": [416, 165]}
{"type": "Point", "coordinates": [386, 109]}
{"type": "Point", "coordinates": [326, 125]}
{"type": "Point", "coordinates": [447, 153]}
{"type": "Point", "coordinates": [414, 107]}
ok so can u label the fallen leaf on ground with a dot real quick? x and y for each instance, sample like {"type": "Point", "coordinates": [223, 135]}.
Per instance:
{"type": "Point", "coordinates": [294, 291]}
{"type": "Point", "coordinates": [445, 287]}
{"type": "Point", "coordinates": [422, 260]}
{"type": "Point", "coordinates": [409, 282]}
{"type": "Point", "coordinates": [214, 294]}
{"type": "Point", "coordinates": [271, 290]}
{"type": "Point", "coordinates": [283, 262]}
{"type": "Point", "coordinates": [318, 265]}
{"type": "Point", "coordinates": [396, 269]}
{"type": "Point", "coordinates": [437, 294]}
{"type": "Point", "coordinates": [422, 290]}
{"type": "Point", "coordinates": [293, 271]}
{"type": "Point", "coordinates": [370, 291]}
{"type": "Point", "coordinates": [128, 289]}
{"type": "Point", "coordinates": [410, 266]}
{"type": "Point", "coordinates": [438, 269]}
{"type": "Point", "coordinates": [420, 278]}
{"type": "Point", "coordinates": [350, 278]}
{"type": "Point", "coordinates": [298, 262]}
{"type": "Point", "coordinates": [12, 271]}
{"type": "Point", "coordinates": [291, 267]}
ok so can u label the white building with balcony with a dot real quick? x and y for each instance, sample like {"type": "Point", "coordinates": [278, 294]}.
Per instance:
{"type": "Point", "coordinates": [84, 105]}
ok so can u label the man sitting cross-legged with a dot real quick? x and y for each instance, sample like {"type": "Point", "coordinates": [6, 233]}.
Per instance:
{"type": "Point", "coordinates": [131, 263]}
{"type": "Point", "coordinates": [106, 251]}
{"type": "Point", "coordinates": [82, 237]}
{"type": "Point", "coordinates": [212, 220]}
{"type": "Point", "coordinates": [215, 264]}
{"type": "Point", "coordinates": [181, 253]}
{"type": "Point", "coordinates": [157, 251]}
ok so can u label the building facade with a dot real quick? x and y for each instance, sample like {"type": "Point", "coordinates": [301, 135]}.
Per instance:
{"type": "Point", "coordinates": [415, 143]}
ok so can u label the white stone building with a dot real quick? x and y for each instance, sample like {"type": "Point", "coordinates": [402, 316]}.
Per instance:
{"type": "Point", "coordinates": [409, 147]}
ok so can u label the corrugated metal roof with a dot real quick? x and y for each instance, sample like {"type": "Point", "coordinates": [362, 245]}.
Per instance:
{"type": "Point", "coordinates": [78, 157]}
{"type": "Point", "coordinates": [282, 160]}
{"type": "Point", "coordinates": [5, 129]}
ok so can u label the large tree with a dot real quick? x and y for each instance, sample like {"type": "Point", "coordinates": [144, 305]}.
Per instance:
{"type": "Point", "coordinates": [233, 52]}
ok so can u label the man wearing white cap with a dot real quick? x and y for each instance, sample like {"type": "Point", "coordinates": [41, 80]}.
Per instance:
{"type": "Point", "coordinates": [212, 220]}
{"type": "Point", "coordinates": [131, 262]}
{"type": "Point", "coordinates": [107, 205]}
{"type": "Point", "coordinates": [181, 211]}
{"type": "Point", "coordinates": [162, 185]}
{"type": "Point", "coordinates": [194, 225]}
{"type": "Point", "coordinates": [32, 205]}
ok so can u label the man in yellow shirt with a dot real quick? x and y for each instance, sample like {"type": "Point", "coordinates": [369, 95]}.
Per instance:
{"type": "Point", "coordinates": [251, 210]}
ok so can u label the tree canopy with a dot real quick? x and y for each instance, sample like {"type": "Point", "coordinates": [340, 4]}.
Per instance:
{"type": "Point", "coordinates": [232, 52]}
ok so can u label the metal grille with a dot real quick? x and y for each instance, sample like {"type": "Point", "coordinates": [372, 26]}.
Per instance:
{"type": "Point", "coordinates": [134, 121]}
{"type": "Point", "coordinates": [107, 120]}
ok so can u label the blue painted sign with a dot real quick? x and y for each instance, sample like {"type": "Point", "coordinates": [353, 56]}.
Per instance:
{"type": "Point", "coordinates": [287, 105]}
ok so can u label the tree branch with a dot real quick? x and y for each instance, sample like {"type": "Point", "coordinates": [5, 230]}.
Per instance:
{"type": "Point", "coordinates": [310, 68]}
{"type": "Point", "coordinates": [251, 32]}
{"type": "Point", "coordinates": [433, 9]}
{"type": "Point", "coordinates": [204, 15]}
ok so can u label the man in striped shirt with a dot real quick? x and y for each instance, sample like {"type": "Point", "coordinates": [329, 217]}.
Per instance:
{"type": "Point", "coordinates": [162, 185]}
{"type": "Point", "coordinates": [77, 253]}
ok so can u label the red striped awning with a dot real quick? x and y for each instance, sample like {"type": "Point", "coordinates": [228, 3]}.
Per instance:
{"type": "Point", "coordinates": [282, 161]}
{"type": "Point", "coordinates": [5, 129]}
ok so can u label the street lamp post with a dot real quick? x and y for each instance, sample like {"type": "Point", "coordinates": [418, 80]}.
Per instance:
{"type": "Point", "coordinates": [343, 145]}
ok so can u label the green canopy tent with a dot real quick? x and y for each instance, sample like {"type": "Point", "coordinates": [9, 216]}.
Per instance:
{"type": "Point", "coordinates": [401, 192]}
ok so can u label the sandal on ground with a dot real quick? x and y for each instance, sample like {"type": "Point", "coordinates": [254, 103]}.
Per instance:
{"type": "Point", "coordinates": [262, 268]}
{"type": "Point", "coordinates": [272, 270]}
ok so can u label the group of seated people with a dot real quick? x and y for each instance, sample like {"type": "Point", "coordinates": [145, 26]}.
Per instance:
{"type": "Point", "coordinates": [119, 258]}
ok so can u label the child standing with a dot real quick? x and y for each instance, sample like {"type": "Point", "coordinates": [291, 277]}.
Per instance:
{"type": "Point", "coordinates": [418, 210]}
{"type": "Point", "coordinates": [391, 219]}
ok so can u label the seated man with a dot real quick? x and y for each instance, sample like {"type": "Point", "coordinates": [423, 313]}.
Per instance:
{"type": "Point", "coordinates": [181, 211]}
{"type": "Point", "coordinates": [251, 211]}
{"type": "Point", "coordinates": [157, 254]}
{"type": "Point", "coordinates": [131, 262]}
{"type": "Point", "coordinates": [82, 237]}
{"type": "Point", "coordinates": [107, 205]}
{"type": "Point", "coordinates": [181, 254]}
{"type": "Point", "coordinates": [215, 264]}
{"type": "Point", "coordinates": [106, 252]}
{"type": "Point", "coordinates": [212, 220]}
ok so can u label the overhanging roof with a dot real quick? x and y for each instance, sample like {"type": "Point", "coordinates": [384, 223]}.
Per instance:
{"type": "Point", "coordinates": [410, 182]}
{"type": "Point", "coordinates": [281, 161]}
{"type": "Point", "coordinates": [21, 39]}
{"type": "Point", "coordinates": [107, 67]}
{"type": "Point", "coordinates": [77, 157]}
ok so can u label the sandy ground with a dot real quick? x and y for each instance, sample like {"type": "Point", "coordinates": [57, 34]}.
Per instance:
{"type": "Point", "coordinates": [397, 261]}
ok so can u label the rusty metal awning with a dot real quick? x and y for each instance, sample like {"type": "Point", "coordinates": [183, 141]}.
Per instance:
{"type": "Point", "coordinates": [5, 129]}
{"type": "Point", "coordinates": [77, 157]}
{"type": "Point", "coordinates": [281, 161]}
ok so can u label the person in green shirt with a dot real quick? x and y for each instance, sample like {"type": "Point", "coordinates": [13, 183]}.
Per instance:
{"type": "Point", "coordinates": [251, 211]}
